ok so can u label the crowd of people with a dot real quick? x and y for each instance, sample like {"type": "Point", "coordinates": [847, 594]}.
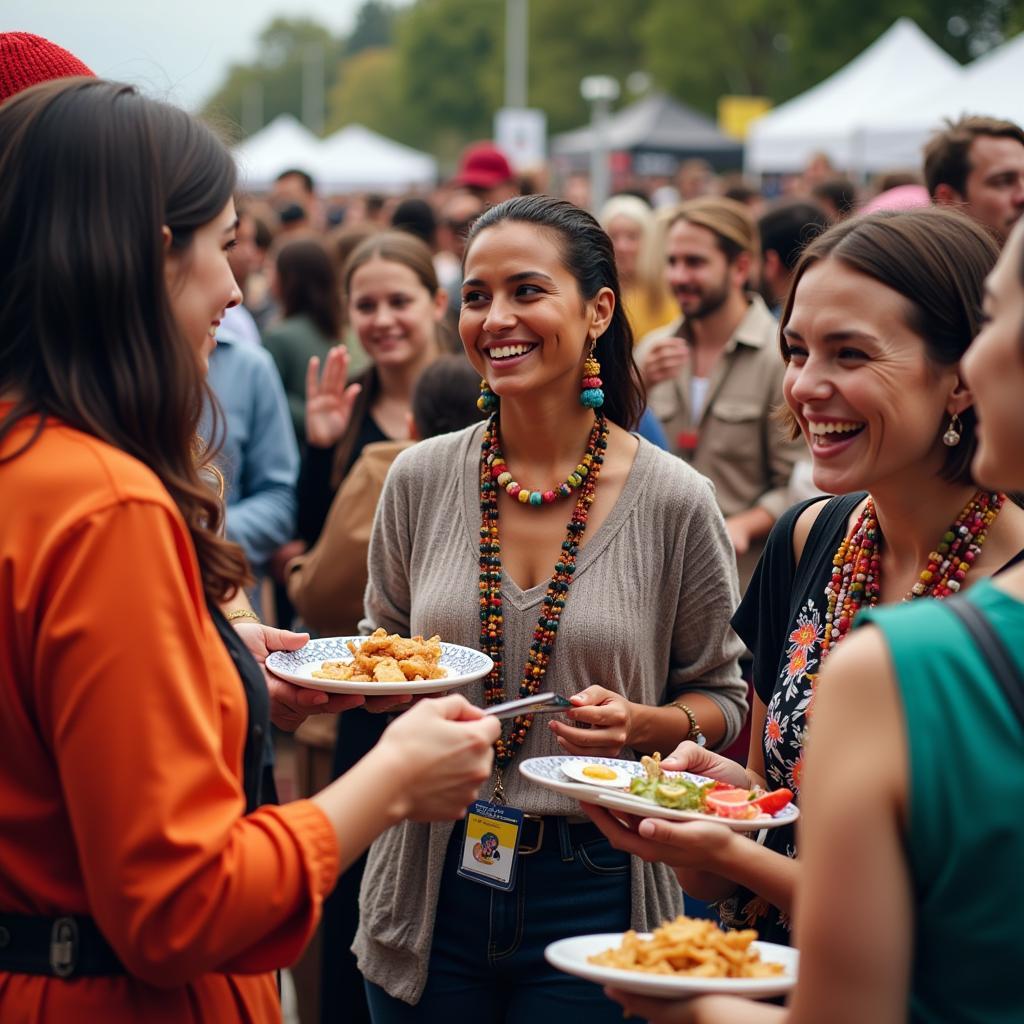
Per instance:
{"type": "Point", "coordinates": [661, 459]}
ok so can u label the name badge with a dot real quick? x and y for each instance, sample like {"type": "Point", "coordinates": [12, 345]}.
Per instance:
{"type": "Point", "coordinates": [490, 845]}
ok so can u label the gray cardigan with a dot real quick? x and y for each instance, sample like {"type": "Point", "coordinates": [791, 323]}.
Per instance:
{"type": "Point", "coordinates": [647, 615]}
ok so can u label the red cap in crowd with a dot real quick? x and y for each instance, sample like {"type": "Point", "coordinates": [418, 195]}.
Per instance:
{"type": "Point", "coordinates": [27, 60]}
{"type": "Point", "coordinates": [483, 165]}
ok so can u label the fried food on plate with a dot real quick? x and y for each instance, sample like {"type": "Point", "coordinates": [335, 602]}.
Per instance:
{"type": "Point", "coordinates": [692, 948]}
{"type": "Point", "coordinates": [382, 658]}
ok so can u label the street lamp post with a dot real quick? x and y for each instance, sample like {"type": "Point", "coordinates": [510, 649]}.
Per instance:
{"type": "Point", "coordinates": [600, 91]}
{"type": "Point", "coordinates": [516, 52]}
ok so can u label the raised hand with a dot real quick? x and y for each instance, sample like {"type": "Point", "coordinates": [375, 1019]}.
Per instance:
{"type": "Point", "coordinates": [329, 400]}
{"type": "Point", "coordinates": [665, 359]}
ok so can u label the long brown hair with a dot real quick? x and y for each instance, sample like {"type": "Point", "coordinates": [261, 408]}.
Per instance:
{"type": "Point", "coordinates": [91, 173]}
{"type": "Point", "coordinates": [308, 283]}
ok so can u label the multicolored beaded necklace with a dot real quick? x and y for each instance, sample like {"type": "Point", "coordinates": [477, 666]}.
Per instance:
{"type": "Point", "coordinates": [856, 567]}
{"type": "Point", "coordinates": [491, 617]}
{"type": "Point", "coordinates": [502, 476]}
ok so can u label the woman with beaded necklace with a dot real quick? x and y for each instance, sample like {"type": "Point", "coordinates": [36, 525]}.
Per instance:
{"type": "Point", "coordinates": [881, 311]}
{"type": "Point", "coordinates": [624, 610]}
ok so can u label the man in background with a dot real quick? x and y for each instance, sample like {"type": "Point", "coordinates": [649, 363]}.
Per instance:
{"type": "Point", "coordinates": [785, 229]}
{"type": "Point", "coordinates": [294, 197]}
{"type": "Point", "coordinates": [714, 376]}
{"type": "Point", "coordinates": [977, 164]}
{"type": "Point", "coordinates": [486, 172]}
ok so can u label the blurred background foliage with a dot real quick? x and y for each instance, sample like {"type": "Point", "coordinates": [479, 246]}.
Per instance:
{"type": "Point", "coordinates": [430, 73]}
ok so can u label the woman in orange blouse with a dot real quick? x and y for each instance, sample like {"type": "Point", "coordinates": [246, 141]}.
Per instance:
{"type": "Point", "coordinates": [138, 879]}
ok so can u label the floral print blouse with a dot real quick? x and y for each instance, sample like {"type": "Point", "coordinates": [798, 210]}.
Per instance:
{"type": "Point", "coordinates": [781, 619]}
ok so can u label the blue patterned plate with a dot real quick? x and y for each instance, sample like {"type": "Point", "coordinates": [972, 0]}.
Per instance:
{"type": "Point", "coordinates": [462, 664]}
{"type": "Point", "coordinates": [548, 772]}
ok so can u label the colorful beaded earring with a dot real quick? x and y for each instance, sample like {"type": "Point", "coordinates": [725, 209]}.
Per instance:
{"type": "Point", "coordinates": [951, 438]}
{"type": "Point", "coordinates": [488, 400]}
{"type": "Point", "coordinates": [591, 393]}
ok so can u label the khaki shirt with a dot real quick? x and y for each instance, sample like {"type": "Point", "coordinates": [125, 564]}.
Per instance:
{"type": "Point", "coordinates": [740, 445]}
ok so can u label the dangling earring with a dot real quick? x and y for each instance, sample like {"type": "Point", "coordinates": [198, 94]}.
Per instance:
{"type": "Point", "coordinates": [951, 438]}
{"type": "Point", "coordinates": [488, 400]}
{"type": "Point", "coordinates": [591, 394]}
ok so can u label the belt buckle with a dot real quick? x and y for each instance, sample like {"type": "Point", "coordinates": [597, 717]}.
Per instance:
{"type": "Point", "coordinates": [64, 947]}
{"type": "Point", "coordinates": [526, 851]}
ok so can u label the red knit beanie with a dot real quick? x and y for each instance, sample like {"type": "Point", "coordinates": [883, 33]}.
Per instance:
{"type": "Point", "coordinates": [27, 60]}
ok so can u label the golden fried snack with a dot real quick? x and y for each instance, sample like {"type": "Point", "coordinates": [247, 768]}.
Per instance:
{"type": "Point", "coordinates": [692, 948]}
{"type": "Point", "coordinates": [387, 670]}
{"type": "Point", "coordinates": [387, 659]}
{"type": "Point", "coordinates": [338, 670]}
{"type": "Point", "coordinates": [421, 668]}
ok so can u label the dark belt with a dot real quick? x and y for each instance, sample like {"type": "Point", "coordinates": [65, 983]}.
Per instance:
{"type": "Point", "coordinates": [540, 832]}
{"type": "Point", "coordinates": [60, 947]}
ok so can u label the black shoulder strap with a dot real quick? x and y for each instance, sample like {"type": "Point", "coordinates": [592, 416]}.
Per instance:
{"type": "Point", "coordinates": [988, 641]}
{"type": "Point", "coordinates": [831, 519]}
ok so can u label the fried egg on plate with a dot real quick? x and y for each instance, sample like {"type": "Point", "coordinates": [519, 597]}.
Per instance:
{"type": "Point", "coordinates": [595, 774]}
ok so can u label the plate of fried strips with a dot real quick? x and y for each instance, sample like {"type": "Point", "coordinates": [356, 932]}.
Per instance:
{"type": "Point", "coordinates": [380, 664]}
{"type": "Point", "coordinates": [685, 957]}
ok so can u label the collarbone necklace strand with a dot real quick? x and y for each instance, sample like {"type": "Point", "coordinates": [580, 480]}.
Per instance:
{"type": "Point", "coordinates": [491, 612]}
{"type": "Point", "coordinates": [857, 567]}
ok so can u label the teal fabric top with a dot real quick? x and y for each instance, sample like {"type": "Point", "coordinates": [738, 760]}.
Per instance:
{"type": "Point", "coordinates": [966, 809]}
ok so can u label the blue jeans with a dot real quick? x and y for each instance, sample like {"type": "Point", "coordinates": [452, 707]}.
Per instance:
{"type": "Point", "coordinates": [487, 960]}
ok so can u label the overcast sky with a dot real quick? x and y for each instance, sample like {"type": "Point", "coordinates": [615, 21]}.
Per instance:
{"type": "Point", "coordinates": [178, 50]}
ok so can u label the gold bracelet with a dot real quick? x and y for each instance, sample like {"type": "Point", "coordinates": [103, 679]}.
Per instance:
{"type": "Point", "coordinates": [696, 733]}
{"type": "Point", "coordinates": [241, 613]}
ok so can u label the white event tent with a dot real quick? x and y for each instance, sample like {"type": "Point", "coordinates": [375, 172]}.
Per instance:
{"type": "Point", "coordinates": [837, 116]}
{"type": "Point", "coordinates": [993, 85]}
{"type": "Point", "coordinates": [282, 144]}
{"type": "Point", "coordinates": [350, 160]}
{"type": "Point", "coordinates": [355, 158]}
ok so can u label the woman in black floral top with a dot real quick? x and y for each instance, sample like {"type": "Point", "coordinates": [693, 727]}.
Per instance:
{"type": "Point", "coordinates": [881, 311]}
{"type": "Point", "coordinates": [785, 638]}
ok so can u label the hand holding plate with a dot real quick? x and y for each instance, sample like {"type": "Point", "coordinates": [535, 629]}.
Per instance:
{"type": "Point", "coordinates": [679, 1011]}
{"type": "Point", "coordinates": [690, 757]}
{"type": "Point", "coordinates": [290, 705]}
{"type": "Point", "coordinates": [685, 845]}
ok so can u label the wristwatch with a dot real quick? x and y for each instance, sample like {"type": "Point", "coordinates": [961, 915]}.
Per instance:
{"type": "Point", "coordinates": [695, 732]}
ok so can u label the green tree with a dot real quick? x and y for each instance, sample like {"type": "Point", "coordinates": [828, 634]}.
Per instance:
{"type": "Point", "coordinates": [744, 48]}
{"type": "Point", "coordinates": [432, 73]}
{"type": "Point", "coordinates": [273, 83]}
{"type": "Point", "coordinates": [451, 60]}
{"type": "Point", "coordinates": [778, 49]}
{"type": "Point", "coordinates": [368, 91]}
{"type": "Point", "coordinates": [451, 70]}
{"type": "Point", "coordinates": [374, 28]}
{"type": "Point", "coordinates": [574, 38]}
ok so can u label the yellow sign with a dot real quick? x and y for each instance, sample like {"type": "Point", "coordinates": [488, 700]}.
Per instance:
{"type": "Point", "coordinates": [736, 112]}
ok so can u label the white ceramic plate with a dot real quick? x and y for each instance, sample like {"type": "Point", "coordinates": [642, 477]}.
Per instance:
{"type": "Point", "coordinates": [549, 772]}
{"type": "Point", "coordinates": [463, 665]}
{"type": "Point", "coordinates": [570, 955]}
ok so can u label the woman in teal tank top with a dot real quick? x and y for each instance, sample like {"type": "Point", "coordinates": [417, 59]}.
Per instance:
{"type": "Point", "coordinates": [913, 829]}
